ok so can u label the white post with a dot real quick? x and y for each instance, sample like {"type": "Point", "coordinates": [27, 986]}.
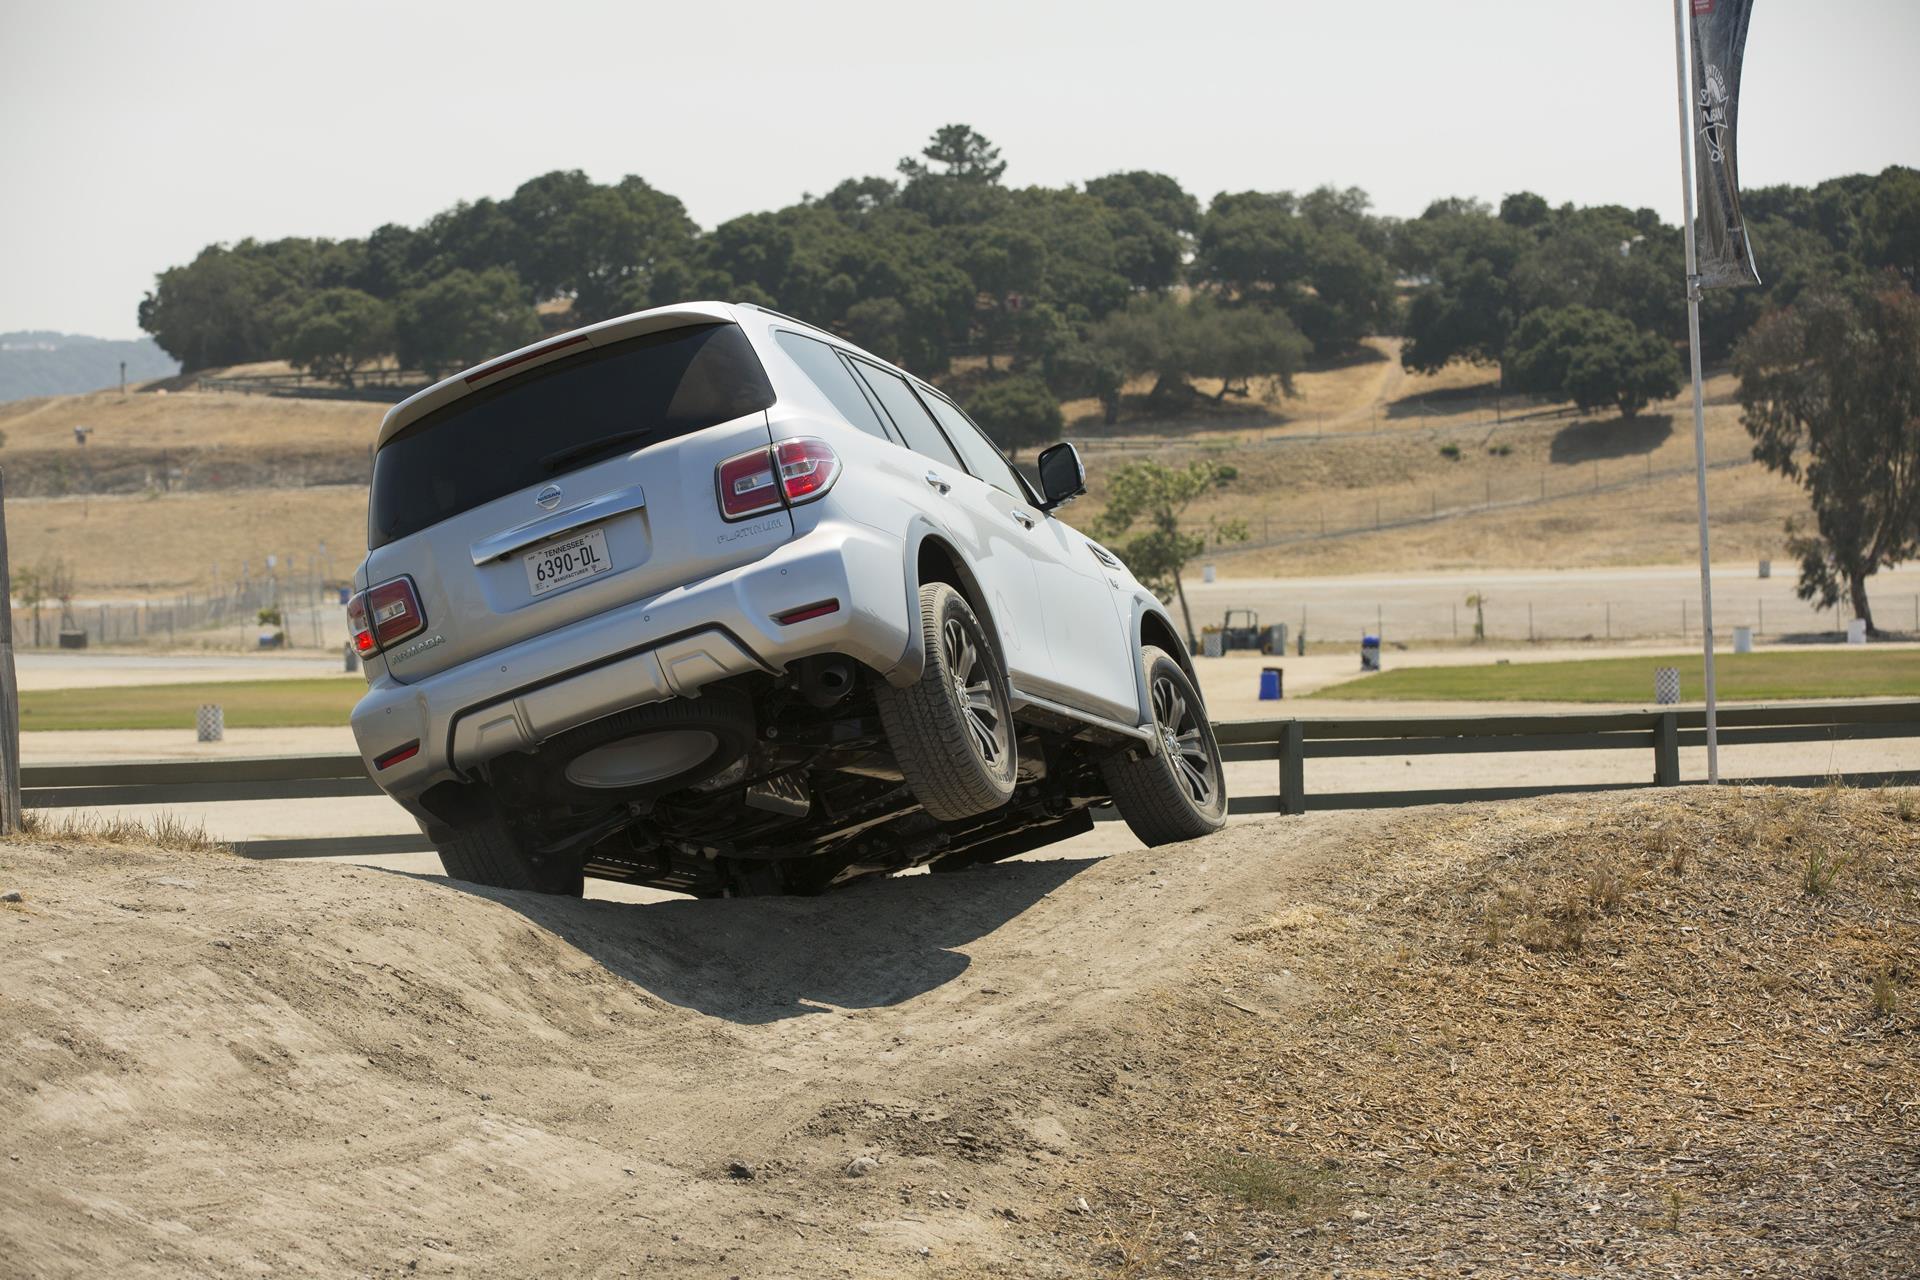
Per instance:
{"type": "Point", "coordinates": [1693, 346]}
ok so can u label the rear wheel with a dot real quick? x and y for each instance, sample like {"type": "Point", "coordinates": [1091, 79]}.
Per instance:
{"type": "Point", "coordinates": [952, 729]}
{"type": "Point", "coordinates": [1178, 791]}
{"type": "Point", "coordinates": [488, 847]}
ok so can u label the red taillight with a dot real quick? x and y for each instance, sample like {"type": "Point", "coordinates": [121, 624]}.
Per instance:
{"type": "Point", "coordinates": [357, 624]}
{"type": "Point", "coordinates": [385, 615]}
{"type": "Point", "coordinates": [747, 485]}
{"type": "Point", "coordinates": [788, 473]}
{"type": "Point", "coordinates": [807, 468]}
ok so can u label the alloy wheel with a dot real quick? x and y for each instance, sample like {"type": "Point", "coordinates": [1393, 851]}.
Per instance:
{"type": "Point", "coordinates": [986, 719]}
{"type": "Point", "coordinates": [1180, 736]}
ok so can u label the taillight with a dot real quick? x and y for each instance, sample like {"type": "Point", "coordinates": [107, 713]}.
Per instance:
{"type": "Point", "coordinates": [747, 485]}
{"type": "Point", "coordinates": [788, 473]}
{"type": "Point", "coordinates": [385, 615]}
{"type": "Point", "coordinates": [807, 468]}
{"type": "Point", "coordinates": [357, 625]}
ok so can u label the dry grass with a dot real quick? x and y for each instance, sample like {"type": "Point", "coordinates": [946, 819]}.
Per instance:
{"type": "Point", "coordinates": [1585, 1036]}
{"type": "Point", "coordinates": [161, 831]}
{"type": "Point", "coordinates": [186, 420]}
{"type": "Point", "coordinates": [1354, 394]}
{"type": "Point", "coordinates": [1409, 472]}
{"type": "Point", "coordinates": [132, 545]}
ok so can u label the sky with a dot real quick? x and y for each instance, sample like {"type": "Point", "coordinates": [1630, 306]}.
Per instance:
{"type": "Point", "coordinates": [133, 134]}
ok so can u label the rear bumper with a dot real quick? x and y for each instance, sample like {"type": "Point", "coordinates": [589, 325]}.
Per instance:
{"type": "Point", "coordinates": [670, 645]}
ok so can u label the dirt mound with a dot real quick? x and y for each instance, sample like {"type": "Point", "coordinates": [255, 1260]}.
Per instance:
{"type": "Point", "coordinates": [216, 1066]}
{"type": "Point", "coordinates": [1665, 1033]}
{"type": "Point", "coordinates": [1658, 1035]}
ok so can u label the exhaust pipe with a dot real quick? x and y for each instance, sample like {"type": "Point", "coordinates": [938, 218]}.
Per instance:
{"type": "Point", "coordinates": [825, 680]}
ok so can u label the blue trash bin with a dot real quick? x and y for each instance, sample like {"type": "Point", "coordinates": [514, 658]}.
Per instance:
{"type": "Point", "coordinates": [1369, 653]}
{"type": "Point", "coordinates": [1270, 684]}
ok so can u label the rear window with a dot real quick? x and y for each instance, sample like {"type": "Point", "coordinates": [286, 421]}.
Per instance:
{"type": "Point", "coordinates": [546, 421]}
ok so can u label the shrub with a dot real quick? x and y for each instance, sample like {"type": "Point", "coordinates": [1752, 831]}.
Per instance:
{"type": "Point", "coordinates": [1017, 410]}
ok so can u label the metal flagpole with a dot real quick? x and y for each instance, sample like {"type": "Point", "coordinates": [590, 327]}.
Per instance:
{"type": "Point", "coordinates": [1693, 346]}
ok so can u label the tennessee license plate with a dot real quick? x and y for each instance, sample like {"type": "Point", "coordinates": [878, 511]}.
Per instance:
{"type": "Point", "coordinates": [560, 564]}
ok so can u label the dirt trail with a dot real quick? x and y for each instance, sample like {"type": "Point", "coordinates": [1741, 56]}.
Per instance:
{"type": "Point", "coordinates": [222, 1067]}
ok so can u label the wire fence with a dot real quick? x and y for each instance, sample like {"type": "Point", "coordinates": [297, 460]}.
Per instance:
{"type": "Point", "coordinates": [295, 608]}
{"type": "Point", "coordinates": [1665, 608]}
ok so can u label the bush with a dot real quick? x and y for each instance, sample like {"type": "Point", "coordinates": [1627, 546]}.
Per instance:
{"type": "Point", "coordinates": [337, 331]}
{"type": "Point", "coordinates": [1593, 358]}
{"type": "Point", "coordinates": [1017, 411]}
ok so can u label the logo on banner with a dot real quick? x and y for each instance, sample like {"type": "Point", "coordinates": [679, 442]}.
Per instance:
{"type": "Point", "coordinates": [1713, 113]}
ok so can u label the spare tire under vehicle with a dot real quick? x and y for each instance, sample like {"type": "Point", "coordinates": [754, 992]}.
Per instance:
{"type": "Point", "coordinates": [646, 751]}
{"type": "Point", "coordinates": [633, 754]}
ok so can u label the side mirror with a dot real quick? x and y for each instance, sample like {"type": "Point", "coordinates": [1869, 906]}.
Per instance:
{"type": "Point", "coordinates": [1063, 477]}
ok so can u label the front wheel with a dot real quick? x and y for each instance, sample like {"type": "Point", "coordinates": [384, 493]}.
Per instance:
{"type": "Point", "coordinates": [1176, 791]}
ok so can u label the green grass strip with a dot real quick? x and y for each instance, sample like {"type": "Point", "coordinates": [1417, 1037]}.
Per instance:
{"type": "Point", "coordinates": [1746, 677]}
{"type": "Point", "coordinates": [249, 704]}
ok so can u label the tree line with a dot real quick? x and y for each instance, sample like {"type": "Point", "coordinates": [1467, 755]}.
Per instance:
{"type": "Point", "coordinates": [1123, 280]}
{"type": "Point", "coordinates": [1068, 291]}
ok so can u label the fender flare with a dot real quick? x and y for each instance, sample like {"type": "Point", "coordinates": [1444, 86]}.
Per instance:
{"type": "Point", "coordinates": [1145, 604]}
{"type": "Point", "coordinates": [913, 660]}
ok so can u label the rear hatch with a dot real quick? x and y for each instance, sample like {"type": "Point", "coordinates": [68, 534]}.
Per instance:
{"type": "Point", "coordinates": [578, 485]}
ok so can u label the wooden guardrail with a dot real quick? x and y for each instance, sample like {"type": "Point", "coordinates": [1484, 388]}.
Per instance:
{"type": "Point", "coordinates": [1290, 743]}
{"type": "Point", "coordinates": [1287, 744]}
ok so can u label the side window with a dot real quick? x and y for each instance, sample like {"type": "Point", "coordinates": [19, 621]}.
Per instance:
{"type": "Point", "coordinates": [823, 368]}
{"type": "Point", "coordinates": [981, 457]}
{"type": "Point", "coordinates": [897, 398]}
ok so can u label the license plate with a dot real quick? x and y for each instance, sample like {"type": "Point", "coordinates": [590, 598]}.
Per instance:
{"type": "Point", "coordinates": [559, 564]}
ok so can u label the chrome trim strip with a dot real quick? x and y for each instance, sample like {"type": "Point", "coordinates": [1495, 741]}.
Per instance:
{"type": "Point", "coordinates": [592, 511]}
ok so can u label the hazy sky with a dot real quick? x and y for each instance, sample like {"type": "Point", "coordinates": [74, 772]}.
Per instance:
{"type": "Point", "coordinates": [132, 134]}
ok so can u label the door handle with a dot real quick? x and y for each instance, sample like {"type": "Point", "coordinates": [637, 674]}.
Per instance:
{"type": "Point", "coordinates": [1026, 521]}
{"type": "Point", "coordinates": [939, 485]}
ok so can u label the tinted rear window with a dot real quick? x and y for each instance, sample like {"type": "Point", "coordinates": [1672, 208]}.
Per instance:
{"type": "Point", "coordinates": [507, 437]}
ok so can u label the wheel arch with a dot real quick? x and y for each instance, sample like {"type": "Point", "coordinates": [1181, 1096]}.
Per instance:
{"type": "Point", "coordinates": [930, 557]}
{"type": "Point", "coordinates": [1152, 626]}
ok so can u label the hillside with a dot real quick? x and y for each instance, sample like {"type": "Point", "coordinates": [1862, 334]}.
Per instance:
{"type": "Point", "coordinates": [1518, 484]}
{"type": "Point", "coordinates": [196, 478]}
{"type": "Point", "coordinates": [1275, 1049]}
{"type": "Point", "coordinates": [40, 363]}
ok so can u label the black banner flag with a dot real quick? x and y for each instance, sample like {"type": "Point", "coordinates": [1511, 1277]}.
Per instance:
{"type": "Point", "coordinates": [1719, 41]}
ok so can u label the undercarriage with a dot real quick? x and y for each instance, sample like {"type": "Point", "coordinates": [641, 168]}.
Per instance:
{"type": "Point", "coordinates": [801, 792]}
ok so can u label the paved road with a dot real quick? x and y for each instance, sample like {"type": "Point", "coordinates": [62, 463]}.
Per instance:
{"type": "Point", "coordinates": [1572, 604]}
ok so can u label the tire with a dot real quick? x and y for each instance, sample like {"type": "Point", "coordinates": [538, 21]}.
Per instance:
{"type": "Point", "coordinates": [485, 847]}
{"type": "Point", "coordinates": [1178, 792]}
{"type": "Point", "coordinates": [952, 729]}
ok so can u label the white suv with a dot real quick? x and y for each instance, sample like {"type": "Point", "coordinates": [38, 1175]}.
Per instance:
{"type": "Point", "coordinates": [706, 598]}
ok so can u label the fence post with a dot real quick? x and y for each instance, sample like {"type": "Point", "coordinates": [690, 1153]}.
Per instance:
{"type": "Point", "coordinates": [1293, 773]}
{"type": "Point", "coordinates": [9, 691]}
{"type": "Point", "coordinates": [1666, 751]}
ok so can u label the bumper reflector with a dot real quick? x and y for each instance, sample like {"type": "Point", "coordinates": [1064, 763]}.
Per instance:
{"type": "Point", "coordinates": [807, 612]}
{"type": "Point", "coordinates": [395, 756]}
